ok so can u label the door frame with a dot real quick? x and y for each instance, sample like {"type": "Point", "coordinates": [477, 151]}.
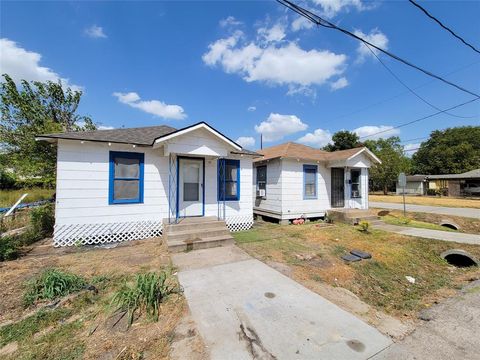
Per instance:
{"type": "Point", "coordinates": [332, 188]}
{"type": "Point", "coordinates": [178, 185]}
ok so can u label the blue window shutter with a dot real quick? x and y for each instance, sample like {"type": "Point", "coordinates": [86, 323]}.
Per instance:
{"type": "Point", "coordinates": [111, 188]}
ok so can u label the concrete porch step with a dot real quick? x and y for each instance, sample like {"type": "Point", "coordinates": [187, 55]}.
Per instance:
{"type": "Point", "coordinates": [204, 243]}
{"type": "Point", "coordinates": [197, 226]}
{"type": "Point", "coordinates": [192, 234]}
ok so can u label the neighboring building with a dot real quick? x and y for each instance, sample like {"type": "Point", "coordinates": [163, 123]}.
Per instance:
{"type": "Point", "coordinates": [416, 185]}
{"type": "Point", "coordinates": [466, 184]}
{"type": "Point", "coordinates": [124, 184]}
{"type": "Point", "coordinates": [294, 180]}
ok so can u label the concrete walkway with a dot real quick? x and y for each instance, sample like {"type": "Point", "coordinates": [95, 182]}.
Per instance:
{"type": "Point", "coordinates": [450, 331]}
{"type": "Point", "coordinates": [465, 212]}
{"type": "Point", "coordinates": [430, 234]}
{"type": "Point", "coordinates": [246, 310]}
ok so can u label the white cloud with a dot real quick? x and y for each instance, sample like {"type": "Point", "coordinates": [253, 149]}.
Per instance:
{"type": "Point", "coordinates": [285, 64]}
{"type": "Point", "coordinates": [339, 84]}
{"type": "Point", "coordinates": [368, 130]}
{"type": "Point", "coordinates": [301, 23]}
{"type": "Point", "coordinates": [246, 141]}
{"type": "Point", "coordinates": [277, 126]}
{"type": "Point", "coordinates": [274, 34]}
{"type": "Point", "coordinates": [252, 108]}
{"type": "Point", "coordinates": [22, 64]}
{"type": "Point", "coordinates": [333, 7]}
{"type": "Point", "coordinates": [230, 21]}
{"type": "Point", "coordinates": [376, 37]}
{"type": "Point", "coordinates": [154, 107]}
{"type": "Point", "coordinates": [105, 127]}
{"type": "Point", "coordinates": [95, 32]}
{"type": "Point", "coordinates": [411, 149]}
{"type": "Point", "coordinates": [319, 138]}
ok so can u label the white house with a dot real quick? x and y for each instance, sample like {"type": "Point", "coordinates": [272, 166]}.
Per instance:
{"type": "Point", "coordinates": [125, 184]}
{"type": "Point", "coordinates": [294, 180]}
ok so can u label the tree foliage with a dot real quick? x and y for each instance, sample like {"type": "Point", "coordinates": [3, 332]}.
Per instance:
{"type": "Point", "coordinates": [394, 161]}
{"type": "Point", "coordinates": [343, 140]}
{"type": "Point", "coordinates": [449, 151]}
{"type": "Point", "coordinates": [31, 109]}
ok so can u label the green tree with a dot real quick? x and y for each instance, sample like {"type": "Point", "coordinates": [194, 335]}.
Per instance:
{"type": "Point", "coordinates": [31, 109]}
{"type": "Point", "coordinates": [394, 161]}
{"type": "Point", "coordinates": [343, 140]}
{"type": "Point", "coordinates": [449, 151]}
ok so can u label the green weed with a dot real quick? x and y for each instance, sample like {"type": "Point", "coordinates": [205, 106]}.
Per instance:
{"type": "Point", "coordinates": [145, 294]}
{"type": "Point", "coordinates": [52, 284]}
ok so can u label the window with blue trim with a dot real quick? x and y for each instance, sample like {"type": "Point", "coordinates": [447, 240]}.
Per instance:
{"type": "Point", "coordinates": [310, 181]}
{"type": "Point", "coordinates": [126, 177]}
{"type": "Point", "coordinates": [228, 179]}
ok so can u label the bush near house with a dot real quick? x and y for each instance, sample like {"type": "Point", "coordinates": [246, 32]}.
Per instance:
{"type": "Point", "coordinates": [40, 226]}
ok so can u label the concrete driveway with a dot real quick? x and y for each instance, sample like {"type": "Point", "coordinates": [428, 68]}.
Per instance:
{"type": "Point", "coordinates": [465, 212]}
{"type": "Point", "coordinates": [246, 310]}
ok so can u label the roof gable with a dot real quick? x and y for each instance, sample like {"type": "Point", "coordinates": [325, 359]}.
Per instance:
{"type": "Point", "coordinates": [195, 127]}
{"type": "Point", "coordinates": [299, 151]}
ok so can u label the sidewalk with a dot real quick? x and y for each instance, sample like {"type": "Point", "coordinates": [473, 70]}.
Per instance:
{"type": "Point", "coordinates": [465, 212]}
{"type": "Point", "coordinates": [430, 234]}
{"type": "Point", "coordinates": [246, 310]}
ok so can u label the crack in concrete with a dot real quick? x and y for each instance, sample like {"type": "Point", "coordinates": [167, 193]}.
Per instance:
{"type": "Point", "coordinates": [253, 341]}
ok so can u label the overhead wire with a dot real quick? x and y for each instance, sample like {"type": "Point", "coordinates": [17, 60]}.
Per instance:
{"type": "Point", "coordinates": [410, 89]}
{"type": "Point", "coordinates": [444, 26]}
{"type": "Point", "coordinates": [316, 19]}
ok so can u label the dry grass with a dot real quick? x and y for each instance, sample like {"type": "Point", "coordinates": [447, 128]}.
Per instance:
{"type": "Point", "coordinates": [314, 254]}
{"type": "Point", "coordinates": [9, 197]}
{"type": "Point", "coordinates": [87, 326]}
{"type": "Point", "coordinates": [467, 225]}
{"type": "Point", "coordinates": [428, 200]}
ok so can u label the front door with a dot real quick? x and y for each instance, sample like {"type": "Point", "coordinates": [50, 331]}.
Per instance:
{"type": "Point", "coordinates": [190, 187]}
{"type": "Point", "coordinates": [338, 193]}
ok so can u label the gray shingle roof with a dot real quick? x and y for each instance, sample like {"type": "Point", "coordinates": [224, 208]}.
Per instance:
{"type": "Point", "coordinates": [142, 136]}
{"type": "Point", "coordinates": [135, 136]}
{"type": "Point", "coordinates": [473, 174]}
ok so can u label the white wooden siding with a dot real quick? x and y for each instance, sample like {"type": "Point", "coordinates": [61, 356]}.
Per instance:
{"type": "Point", "coordinates": [293, 202]}
{"type": "Point", "coordinates": [273, 199]}
{"type": "Point", "coordinates": [83, 184]}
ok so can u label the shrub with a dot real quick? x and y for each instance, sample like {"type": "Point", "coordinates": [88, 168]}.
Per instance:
{"type": "Point", "coordinates": [42, 220]}
{"type": "Point", "coordinates": [145, 294]}
{"type": "Point", "coordinates": [52, 284]}
{"type": "Point", "coordinates": [9, 248]}
{"type": "Point", "coordinates": [364, 225]}
{"type": "Point", "coordinates": [404, 220]}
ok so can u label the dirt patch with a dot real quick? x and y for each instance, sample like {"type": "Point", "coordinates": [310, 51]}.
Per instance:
{"type": "Point", "coordinates": [93, 330]}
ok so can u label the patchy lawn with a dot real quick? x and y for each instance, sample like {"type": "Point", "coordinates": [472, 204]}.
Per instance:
{"type": "Point", "coordinates": [313, 253]}
{"type": "Point", "coordinates": [85, 325]}
{"type": "Point", "coordinates": [10, 197]}
{"type": "Point", "coordinates": [428, 200]}
{"type": "Point", "coordinates": [431, 221]}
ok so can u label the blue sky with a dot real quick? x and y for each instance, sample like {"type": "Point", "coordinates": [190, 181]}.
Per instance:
{"type": "Point", "coordinates": [249, 67]}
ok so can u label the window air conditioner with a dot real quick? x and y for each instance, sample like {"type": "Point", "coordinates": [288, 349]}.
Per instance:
{"type": "Point", "coordinates": [260, 192]}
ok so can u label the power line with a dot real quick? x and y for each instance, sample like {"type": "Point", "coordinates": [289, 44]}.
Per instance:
{"type": "Point", "coordinates": [443, 26]}
{"type": "Point", "coordinates": [415, 139]}
{"type": "Point", "coordinates": [410, 89]}
{"type": "Point", "coordinates": [400, 94]}
{"type": "Point", "coordinates": [411, 149]}
{"type": "Point", "coordinates": [422, 118]}
{"type": "Point", "coordinates": [325, 23]}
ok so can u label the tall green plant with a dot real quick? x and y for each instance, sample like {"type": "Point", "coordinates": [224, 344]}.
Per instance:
{"type": "Point", "coordinates": [145, 294]}
{"type": "Point", "coordinates": [52, 284]}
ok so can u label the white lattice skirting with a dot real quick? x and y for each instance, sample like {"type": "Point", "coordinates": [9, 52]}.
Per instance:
{"type": "Point", "coordinates": [88, 234]}
{"type": "Point", "coordinates": [239, 223]}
